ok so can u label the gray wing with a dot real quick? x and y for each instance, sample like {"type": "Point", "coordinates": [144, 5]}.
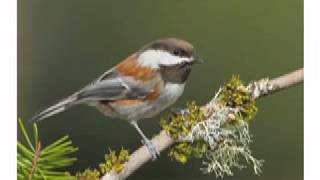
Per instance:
{"type": "Point", "coordinates": [112, 86]}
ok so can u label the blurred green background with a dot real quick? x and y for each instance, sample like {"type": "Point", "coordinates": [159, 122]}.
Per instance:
{"type": "Point", "coordinates": [63, 45]}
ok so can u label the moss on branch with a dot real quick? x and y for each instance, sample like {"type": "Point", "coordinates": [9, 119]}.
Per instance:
{"type": "Point", "coordinates": [113, 162]}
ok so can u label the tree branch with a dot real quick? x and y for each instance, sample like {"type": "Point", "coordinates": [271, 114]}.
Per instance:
{"type": "Point", "coordinates": [163, 141]}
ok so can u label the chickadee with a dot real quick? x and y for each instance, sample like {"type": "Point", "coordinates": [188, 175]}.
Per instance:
{"type": "Point", "coordinates": [139, 87]}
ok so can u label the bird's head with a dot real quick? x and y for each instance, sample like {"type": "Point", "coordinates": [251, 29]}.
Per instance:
{"type": "Point", "coordinates": [173, 57]}
{"type": "Point", "coordinates": [167, 52]}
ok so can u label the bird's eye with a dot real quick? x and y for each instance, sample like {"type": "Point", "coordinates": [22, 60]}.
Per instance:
{"type": "Point", "coordinates": [177, 52]}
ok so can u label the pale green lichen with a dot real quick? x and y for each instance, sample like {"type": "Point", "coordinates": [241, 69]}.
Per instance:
{"type": "Point", "coordinates": [222, 138]}
{"type": "Point", "coordinates": [231, 152]}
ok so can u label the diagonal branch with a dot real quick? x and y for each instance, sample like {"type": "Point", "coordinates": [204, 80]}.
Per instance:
{"type": "Point", "coordinates": [163, 141]}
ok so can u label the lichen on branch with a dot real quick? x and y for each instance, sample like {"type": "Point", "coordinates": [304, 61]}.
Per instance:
{"type": "Point", "coordinates": [235, 94]}
{"type": "Point", "coordinates": [217, 134]}
{"type": "Point", "coordinates": [180, 125]}
{"type": "Point", "coordinates": [113, 163]}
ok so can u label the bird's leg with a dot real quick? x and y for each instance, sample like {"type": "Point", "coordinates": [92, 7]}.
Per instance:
{"type": "Point", "coordinates": [152, 149]}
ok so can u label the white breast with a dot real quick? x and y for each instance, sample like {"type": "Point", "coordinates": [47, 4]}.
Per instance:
{"type": "Point", "coordinates": [170, 94]}
{"type": "Point", "coordinates": [172, 91]}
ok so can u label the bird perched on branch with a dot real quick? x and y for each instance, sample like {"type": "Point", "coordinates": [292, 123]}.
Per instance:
{"type": "Point", "coordinates": [139, 87]}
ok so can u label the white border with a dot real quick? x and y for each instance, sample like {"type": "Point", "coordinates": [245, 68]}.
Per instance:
{"type": "Point", "coordinates": [8, 90]}
{"type": "Point", "coordinates": [312, 89]}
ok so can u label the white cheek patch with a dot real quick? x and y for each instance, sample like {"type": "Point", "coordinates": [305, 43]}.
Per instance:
{"type": "Point", "coordinates": [154, 58]}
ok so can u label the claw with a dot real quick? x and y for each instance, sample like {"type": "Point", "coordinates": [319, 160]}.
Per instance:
{"type": "Point", "coordinates": [152, 149]}
{"type": "Point", "coordinates": [180, 111]}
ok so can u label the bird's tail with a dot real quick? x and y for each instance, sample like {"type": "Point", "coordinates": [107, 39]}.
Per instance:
{"type": "Point", "coordinates": [57, 108]}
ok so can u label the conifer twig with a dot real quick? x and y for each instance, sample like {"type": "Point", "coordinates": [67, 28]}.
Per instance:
{"type": "Point", "coordinates": [35, 160]}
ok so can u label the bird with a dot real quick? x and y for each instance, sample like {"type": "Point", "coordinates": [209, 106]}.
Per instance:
{"type": "Point", "coordinates": [140, 87]}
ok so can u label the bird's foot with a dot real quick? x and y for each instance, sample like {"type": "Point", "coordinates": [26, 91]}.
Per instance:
{"type": "Point", "coordinates": [152, 148]}
{"type": "Point", "coordinates": [180, 111]}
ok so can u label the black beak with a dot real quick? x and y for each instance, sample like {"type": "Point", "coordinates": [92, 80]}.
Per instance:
{"type": "Point", "coordinates": [197, 59]}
